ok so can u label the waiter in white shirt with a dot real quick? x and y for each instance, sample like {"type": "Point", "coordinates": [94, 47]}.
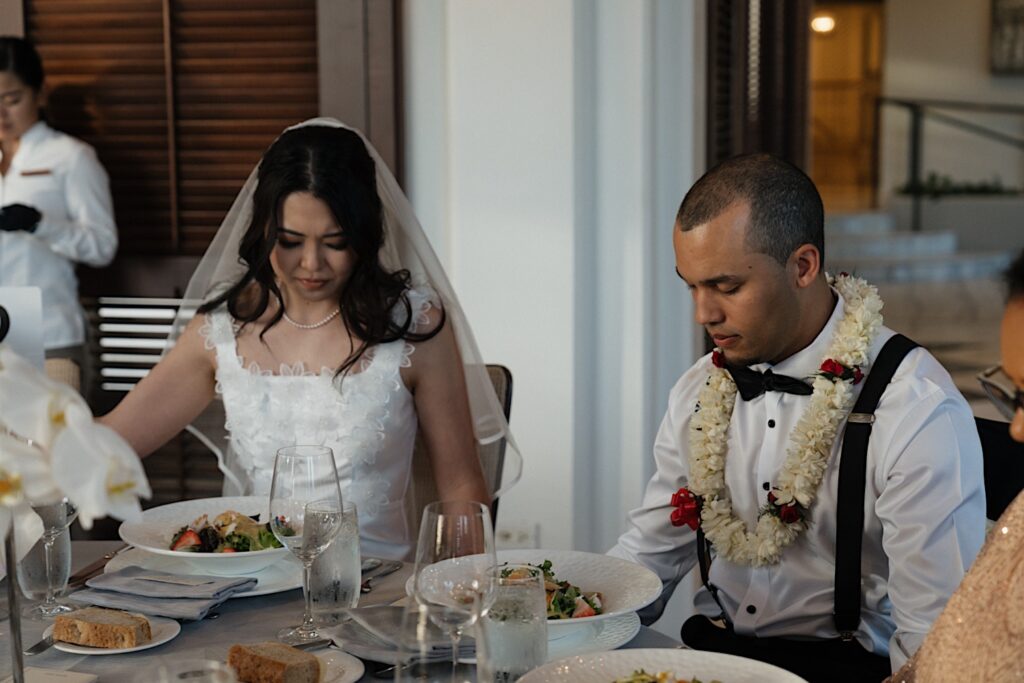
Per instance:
{"type": "Point", "coordinates": [748, 453]}
{"type": "Point", "coordinates": [55, 205]}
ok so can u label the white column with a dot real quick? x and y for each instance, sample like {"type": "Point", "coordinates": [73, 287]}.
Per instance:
{"type": "Point", "coordinates": [549, 144]}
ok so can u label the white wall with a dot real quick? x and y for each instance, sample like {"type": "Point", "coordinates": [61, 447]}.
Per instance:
{"type": "Point", "coordinates": [549, 143]}
{"type": "Point", "coordinates": [939, 49]}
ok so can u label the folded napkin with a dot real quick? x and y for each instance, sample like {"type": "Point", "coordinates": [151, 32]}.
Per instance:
{"type": "Point", "coordinates": [161, 594]}
{"type": "Point", "coordinates": [373, 634]}
{"type": "Point", "coordinates": [156, 584]}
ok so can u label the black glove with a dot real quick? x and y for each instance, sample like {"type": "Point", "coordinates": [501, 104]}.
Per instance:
{"type": "Point", "coordinates": [15, 217]}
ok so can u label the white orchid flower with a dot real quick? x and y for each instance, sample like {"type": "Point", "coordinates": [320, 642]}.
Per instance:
{"type": "Point", "coordinates": [51, 447]}
{"type": "Point", "coordinates": [31, 404]}
{"type": "Point", "coordinates": [25, 472]}
{"type": "Point", "coordinates": [97, 469]}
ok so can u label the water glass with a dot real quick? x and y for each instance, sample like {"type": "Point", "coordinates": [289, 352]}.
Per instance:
{"type": "Point", "coordinates": [43, 573]}
{"type": "Point", "coordinates": [512, 638]}
{"type": "Point", "coordinates": [336, 577]}
{"type": "Point", "coordinates": [455, 565]}
{"type": "Point", "coordinates": [305, 516]}
{"type": "Point", "coordinates": [423, 649]}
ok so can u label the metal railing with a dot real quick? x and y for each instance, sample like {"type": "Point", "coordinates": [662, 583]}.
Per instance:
{"type": "Point", "coordinates": [919, 110]}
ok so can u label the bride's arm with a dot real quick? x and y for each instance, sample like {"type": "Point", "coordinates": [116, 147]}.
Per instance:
{"type": "Point", "coordinates": [438, 384]}
{"type": "Point", "coordinates": [173, 394]}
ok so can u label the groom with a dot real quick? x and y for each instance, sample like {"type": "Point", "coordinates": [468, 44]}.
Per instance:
{"type": "Point", "coordinates": [748, 452]}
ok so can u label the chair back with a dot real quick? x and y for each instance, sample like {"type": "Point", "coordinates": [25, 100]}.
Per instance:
{"type": "Point", "coordinates": [1004, 465]}
{"type": "Point", "coordinates": [423, 488]}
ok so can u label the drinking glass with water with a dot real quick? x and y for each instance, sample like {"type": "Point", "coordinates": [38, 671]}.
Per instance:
{"type": "Point", "coordinates": [43, 572]}
{"type": "Point", "coordinates": [513, 636]}
{"type": "Point", "coordinates": [336, 576]}
{"type": "Point", "coordinates": [305, 516]}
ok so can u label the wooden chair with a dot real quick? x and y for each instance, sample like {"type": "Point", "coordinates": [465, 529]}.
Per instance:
{"type": "Point", "coordinates": [423, 488]}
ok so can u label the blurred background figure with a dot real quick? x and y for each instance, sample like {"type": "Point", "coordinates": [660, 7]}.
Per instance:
{"type": "Point", "coordinates": [55, 208]}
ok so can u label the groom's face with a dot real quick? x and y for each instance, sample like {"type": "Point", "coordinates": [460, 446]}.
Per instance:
{"type": "Point", "coordinates": [741, 297]}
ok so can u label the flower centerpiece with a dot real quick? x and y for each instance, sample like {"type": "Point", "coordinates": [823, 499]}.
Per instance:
{"type": "Point", "coordinates": [51, 449]}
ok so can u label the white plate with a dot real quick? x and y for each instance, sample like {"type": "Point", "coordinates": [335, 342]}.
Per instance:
{"type": "Point", "coordinates": [155, 531]}
{"type": "Point", "coordinates": [625, 586]}
{"type": "Point", "coordinates": [162, 629]}
{"type": "Point", "coordinates": [339, 667]}
{"type": "Point", "coordinates": [283, 575]}
{"type": "Point", "coordinates": [686, 664]}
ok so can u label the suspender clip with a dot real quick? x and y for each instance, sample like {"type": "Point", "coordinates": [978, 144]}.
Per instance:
{"type": "Point", "coordinates": [846, 636]}
{"type": "Point", "coordinates": [861, 418]}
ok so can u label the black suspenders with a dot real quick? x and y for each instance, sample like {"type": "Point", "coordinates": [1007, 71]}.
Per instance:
{"type": "Point", "coordinates": [850, 504]}
{"type": "Point", "coordinates": [852, 470]}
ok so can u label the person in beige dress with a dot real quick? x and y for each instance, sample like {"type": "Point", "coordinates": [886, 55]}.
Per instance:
{"type": "Point", "coordinates": [980, 634]}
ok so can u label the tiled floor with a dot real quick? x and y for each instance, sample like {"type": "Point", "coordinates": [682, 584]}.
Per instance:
{"type": "Point", "coordinates": [957, 321]}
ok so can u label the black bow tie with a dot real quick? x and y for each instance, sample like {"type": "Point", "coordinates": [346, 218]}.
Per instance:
{"type": "Point", "coordinates": [752, 383]}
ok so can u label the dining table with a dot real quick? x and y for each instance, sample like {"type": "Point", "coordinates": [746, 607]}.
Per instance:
{"type": "Point", "coordinates": [238, 620]}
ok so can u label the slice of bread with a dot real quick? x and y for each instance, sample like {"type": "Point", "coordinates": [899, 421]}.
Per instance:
{"type": "Point", "coordinates": [273, 663]}
{"type": "Point", "coordinates": [100, 627]}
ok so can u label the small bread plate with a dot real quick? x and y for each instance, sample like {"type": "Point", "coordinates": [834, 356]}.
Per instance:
{"type": "Point", "coordinates": [339, 667]}
{"type": "Point", "coordinates": [283, 575]}
{"type": "Point", "coordinates": [162, 629]}
{"type": "Point", "coordinates": [155, 531]}
{"type": "Point", "coordinates": [680, 664]}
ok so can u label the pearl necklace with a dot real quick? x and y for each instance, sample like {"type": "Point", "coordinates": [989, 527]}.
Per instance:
{"type": "Point", "coordinates": [313, 326]}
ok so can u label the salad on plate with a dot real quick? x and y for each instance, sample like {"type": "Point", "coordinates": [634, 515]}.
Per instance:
{"type": "Point", "coordinates": [230, 532]}
{"type": "Point", "coordinates": [641, 676]}
{"type": "Point", "coordinates": [565, 601]}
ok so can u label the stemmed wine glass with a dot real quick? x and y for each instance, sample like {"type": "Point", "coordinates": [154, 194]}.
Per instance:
{"type": "Point", "coordinates": [455, 564]}
{"type": "Point", "coordinates": [305, 515]}
{"type": "Point", "coordinates": [44, 571]}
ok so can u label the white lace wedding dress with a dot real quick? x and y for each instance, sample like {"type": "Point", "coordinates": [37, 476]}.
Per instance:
{"type": "Point", "coordinates": [367, 418]}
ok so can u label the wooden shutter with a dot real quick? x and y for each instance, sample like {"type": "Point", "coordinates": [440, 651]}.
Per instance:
{"type": "Point", "coordinates": [179, 97]}
{"type": "Point", "coordinates": [243, 71]}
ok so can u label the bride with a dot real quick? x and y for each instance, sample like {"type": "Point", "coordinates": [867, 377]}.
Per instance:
{"type": "Point", "coordinates": [325, 318]}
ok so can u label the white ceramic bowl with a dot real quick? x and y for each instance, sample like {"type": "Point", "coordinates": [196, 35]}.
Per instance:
{"type": "Point", "coordinates": [155, 531]}
{"type": "Point", "coordinates": [683, 664]}
{"type": "Point", "coordinates": [625, 586]}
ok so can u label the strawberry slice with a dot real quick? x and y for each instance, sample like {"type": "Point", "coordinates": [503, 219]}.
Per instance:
{"type": "Point", "coordinates": [187, 542]}
{"type": "Point", "coordinates": [583, 609]}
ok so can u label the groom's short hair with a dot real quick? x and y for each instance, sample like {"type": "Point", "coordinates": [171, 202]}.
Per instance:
{"type": "Point", "coordinates": [785, 207]}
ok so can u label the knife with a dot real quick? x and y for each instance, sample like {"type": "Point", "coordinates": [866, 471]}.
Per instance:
{"type": "Point", "coordinates": [82, 575]}
{"type": "Point", "coordinates": [42, 646]}
{"type": "Point", "coordinates": [383, 570]}
{"type": "Point", "coordinates": [314, 644]}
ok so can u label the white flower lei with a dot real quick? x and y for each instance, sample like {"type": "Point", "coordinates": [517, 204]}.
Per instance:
{"type": "Point", "coordinates": [810, 443]}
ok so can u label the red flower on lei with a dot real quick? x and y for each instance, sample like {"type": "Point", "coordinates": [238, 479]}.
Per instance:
{"type": "Point", "coordinates": [718, 359]}
{"type": "Point", "coordinates": [833, 369]}
{"type": "Point", "coordinates": [789, 513]}
{"type": "Point", "coordinates": [687, 509]}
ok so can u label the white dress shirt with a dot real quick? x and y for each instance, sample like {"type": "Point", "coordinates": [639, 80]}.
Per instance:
{"type": "Point", "coordinates": [924, 507]}
{"type": "Point", "coordinates": [61, 178]}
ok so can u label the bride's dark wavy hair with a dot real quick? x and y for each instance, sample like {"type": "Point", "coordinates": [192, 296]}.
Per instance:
{"type": "Point", "coordinates": [333, 165]}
